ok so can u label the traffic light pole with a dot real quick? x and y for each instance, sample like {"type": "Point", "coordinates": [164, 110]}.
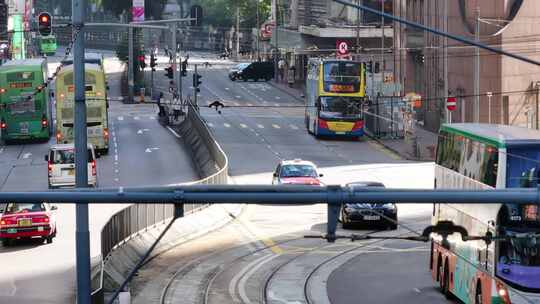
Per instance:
{"type": "Point", "coordinates": [82, 234]}
{"type": "Point", "coordinates": [131, 71]}
{"type": "Point", "coordinates": [195, 86]}
{"type": "Point", "coordinates": [176, 75]}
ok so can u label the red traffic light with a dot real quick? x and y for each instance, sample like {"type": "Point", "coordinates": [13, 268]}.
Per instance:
{"type": "Point", "coordinates": [44, 24]}
{"type": "Point", "coordinates": [141, 58]}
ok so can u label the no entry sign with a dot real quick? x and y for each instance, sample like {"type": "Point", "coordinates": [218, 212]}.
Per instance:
{"type": "Point", "coordinates": [342, 47]}
{"type": "Point", "coordinates": [451, 103]}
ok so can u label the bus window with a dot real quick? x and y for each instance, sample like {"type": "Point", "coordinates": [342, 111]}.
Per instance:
{"type": "Point", "coordinates": [341, 72]}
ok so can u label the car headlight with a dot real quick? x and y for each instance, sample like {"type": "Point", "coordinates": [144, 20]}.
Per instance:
{"type": "Point", "coordinates": [391, 207]}
{"type": "Point", "coordinates": [349, 209]}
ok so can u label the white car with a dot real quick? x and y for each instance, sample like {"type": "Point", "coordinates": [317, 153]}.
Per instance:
{"type": "Point", "coordinates": [61, 166]}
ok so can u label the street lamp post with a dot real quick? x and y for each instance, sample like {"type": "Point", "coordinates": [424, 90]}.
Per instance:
{"type": "Point", "coordinates": [257, 26]}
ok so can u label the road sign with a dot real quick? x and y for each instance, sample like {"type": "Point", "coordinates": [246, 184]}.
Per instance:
{"type": "Point", "coordinates": [451, 103]}
{"type": "Point", "coordinates": [342, 47]}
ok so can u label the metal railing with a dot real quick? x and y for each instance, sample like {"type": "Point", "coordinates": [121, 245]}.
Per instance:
{"type": "Point", "coordinates": [130, 221]}
{"type": "Point", "coordinates": [384, 118]}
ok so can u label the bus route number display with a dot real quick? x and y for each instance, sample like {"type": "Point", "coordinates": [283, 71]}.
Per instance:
{"type": "Point", "coordinates": [341, 88]}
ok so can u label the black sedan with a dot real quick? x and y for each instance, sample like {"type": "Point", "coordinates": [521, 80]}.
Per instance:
{"type": "Point", "coordinates": [234, 71]}
{"type": "Point", "coordinates": [380, 214]}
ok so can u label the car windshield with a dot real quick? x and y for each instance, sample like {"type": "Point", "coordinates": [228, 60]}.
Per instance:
{"type": "Point", "coordinates": [67, 156]}
{"type": "Point", "coordinates": [13, 208]}
{"type": "Point", "coordinates": [242, 66]}
{"type": "Point", "coordinates": [298, 171]}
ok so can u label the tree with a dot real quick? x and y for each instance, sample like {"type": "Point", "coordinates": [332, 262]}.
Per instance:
{"type": "Point", "coordinates": [222, 13]}
{"type": "Point", "coordinates": [153, 8]}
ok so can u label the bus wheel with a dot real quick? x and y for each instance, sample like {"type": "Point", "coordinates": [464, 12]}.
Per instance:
{"type": "Point", "coordinates": [445, 282]}
{"type": "Point", "coordinates": [478, 294]}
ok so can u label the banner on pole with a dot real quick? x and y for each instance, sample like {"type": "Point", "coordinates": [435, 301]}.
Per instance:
{"type": "Point", "coordinates": [138, 10]}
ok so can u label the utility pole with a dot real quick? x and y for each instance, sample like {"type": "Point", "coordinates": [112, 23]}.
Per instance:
{"type": "Point", "coordinates": [131, 81]}
{"type": "Point", "coordinates": [357, 29]}
{"type": "Point", "coordinates": [237, 31]}
{"type": "Point", "coordinates": [382, 41]}
{"type": "Point", "coordinates": [445, 61]}
{"type": "Point", "coordinates": [477, 70]}
{"type": "Point", "coordinates": [537, 87]}
{"type": "Point", "coordinates": [258, 26]}
{"type": "Point", "coordinates": [82, 234]}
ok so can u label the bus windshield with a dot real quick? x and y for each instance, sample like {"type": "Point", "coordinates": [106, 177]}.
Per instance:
{"type": "Point", "coordinates": [519, 258]}
{"type": "Point", "coordinates": [343, 72]}
{"type": "Point", "coordinates": [341, 107]}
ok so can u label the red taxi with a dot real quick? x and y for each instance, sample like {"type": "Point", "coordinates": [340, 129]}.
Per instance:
{"type": "Point", "coordinates": [27, 220]}
{"type": "Point", "coordinates": [296, 172]}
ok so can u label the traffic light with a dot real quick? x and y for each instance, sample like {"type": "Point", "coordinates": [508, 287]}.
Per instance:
{"type": "Point", "coordinates": [197, 13]}
{"type": "Point", "coordinates": [369, 66]}
{"type": "Point", "coordinates": [142, 62]}
{"type": "Point", "coordinates": [184, 68]}
{"type": "Point", "coordinates": [377, 68]}
{"type": "Point", "coordinates": [44, 24]}
{"type": "Point", "coordinates": [421, 58]}
{"type": "Point", "coordinates": [153, 62]}
{"type": "Point", "coordinates": [169, 72]}
{"type": "Point", "coordinates": [196, 82]}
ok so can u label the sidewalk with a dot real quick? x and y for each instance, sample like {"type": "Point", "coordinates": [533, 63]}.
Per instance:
{"type": "Point", "coordinates": [296, 93]}
{"type": "Point", "coordinates": [421, 149]}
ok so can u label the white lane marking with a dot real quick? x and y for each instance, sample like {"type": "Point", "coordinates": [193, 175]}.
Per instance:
{"type": "Point", "coordinates": [236, 278]}
{"type": "Point", "coordinates": [226, 89]}
{"type": "Point", "coordinates": [277, 97]}
{"type": "Point", "coordinates": [211, 125]}
{"type": "Point", "coordinates": [243, 126]}
{"type": "Point", "coordinates": [249, 274]}
{"type": "Point", "coordinates": [27, 155]}
{"type": "Point", "coordinates": [260, 126]}
{"type": "Point", "coordinates": [417, 290]}
{"type": "Point", "coordinates": [2, 150]}
{"type": "Point", "coordinates": [139, 132]}
{"type": "Point", "coordinates": [116, 170]}
{"type": "Point", "coordinates": [226, 125]}
{"type": "Point", "coordinates": [294, 127]}
{"type": "Point", "coordinates": [249, 104]}
{"type": "Point", "coordinates": [276, 126]}
{"type": "Point", "coordinates": [238, 96]}
{"type": "Point", "coordinates": [136, 118]}
{"type": "Point", "coordinates": [116, 157]}
{"type": "Point", "coordinates": [277, 104]}
{"type": "Point", "coordinates": [174, 132]}
{"type": "Point", "coordinates": [116, 179]}
{"type": "Point", "coordinates": [120, 117]}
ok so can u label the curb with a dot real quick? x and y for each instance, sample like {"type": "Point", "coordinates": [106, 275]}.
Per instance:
{"type": "Point", "coordinates": [405, 156]}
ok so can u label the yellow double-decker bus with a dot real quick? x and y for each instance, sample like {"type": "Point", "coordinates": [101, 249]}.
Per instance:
{"type": "Point", "coordinates": [96, 106]}
{"type": "Point", "coordinates": [335, 92]}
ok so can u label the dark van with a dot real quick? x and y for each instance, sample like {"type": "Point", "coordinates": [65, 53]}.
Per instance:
{"type": "Point", "coordinates": [256, 71]}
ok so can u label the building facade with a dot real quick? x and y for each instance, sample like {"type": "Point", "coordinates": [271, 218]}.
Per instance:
{"type": "Point", "coordinates": [311, 28]}
{"type": "Point", "coordinates": [490, 87]}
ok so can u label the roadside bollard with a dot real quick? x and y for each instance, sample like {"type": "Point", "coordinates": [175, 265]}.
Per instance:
{"type": "Point", "coordinates": [142, 95]}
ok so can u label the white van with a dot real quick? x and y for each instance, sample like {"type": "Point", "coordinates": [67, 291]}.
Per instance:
{"type": "Point", "coordinates": [61, 166]}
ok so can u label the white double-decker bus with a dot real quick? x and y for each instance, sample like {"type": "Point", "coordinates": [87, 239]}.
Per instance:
{"type": "Point", "coordinates": [482, 156]}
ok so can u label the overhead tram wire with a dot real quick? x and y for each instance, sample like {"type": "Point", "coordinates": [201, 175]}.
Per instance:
{"type": "Point", "coordinates": [438, 32]}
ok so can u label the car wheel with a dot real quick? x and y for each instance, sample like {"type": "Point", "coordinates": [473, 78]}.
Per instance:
{"type": "Point", "coordinates": [6, 242]}
{"type": "Point", "coordinates": [345, 222]}
{"type": "Point", "coordinates": [245, 79]}
{"type": "Point", "coordinates": [267, 78]}
{"type": "Point", "coordinates": [49, 240]}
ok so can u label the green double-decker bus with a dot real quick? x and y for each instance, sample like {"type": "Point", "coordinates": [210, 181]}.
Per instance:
{"type": "Point", "coordinates": [24, 116]}
{"type": "Point", "coordinates": [47, 45]}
